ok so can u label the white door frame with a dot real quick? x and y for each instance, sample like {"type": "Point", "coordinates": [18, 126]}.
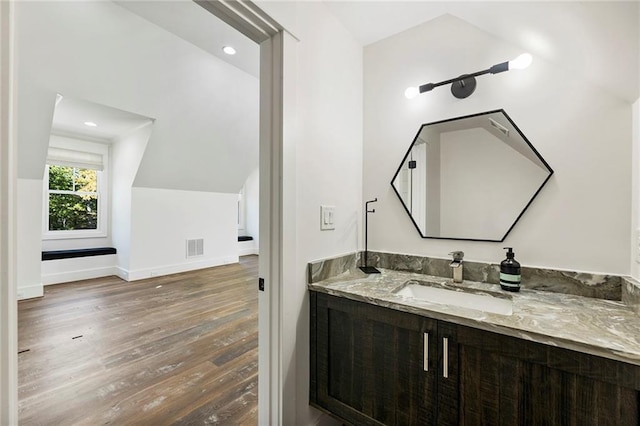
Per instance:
{"type": "Point", "coordinates": [8, 164]}
{"type": "Point", "coordinates": [258, 26]}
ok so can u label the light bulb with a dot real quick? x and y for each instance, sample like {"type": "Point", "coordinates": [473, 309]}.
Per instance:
{"type": "Point", "coordinates": [521, 62]}
{"type": "Point", "coordinates": [411, 92]}
{"type": "Point", "coordinates": [90, 124]}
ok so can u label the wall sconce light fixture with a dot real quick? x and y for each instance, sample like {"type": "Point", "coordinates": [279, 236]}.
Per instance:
{"type": "Point", "coordinates": [463, 86]}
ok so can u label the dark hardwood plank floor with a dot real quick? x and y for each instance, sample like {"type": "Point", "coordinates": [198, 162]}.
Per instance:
{"type": "Point", "coordinates": [180, 349]}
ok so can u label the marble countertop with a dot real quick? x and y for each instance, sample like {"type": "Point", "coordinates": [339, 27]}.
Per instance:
{"type": "Point", "coordinates": [600, 327]}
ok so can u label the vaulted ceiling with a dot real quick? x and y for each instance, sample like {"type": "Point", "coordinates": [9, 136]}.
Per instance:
{"type": "Point", "coordinates": [598, 41]}
{"type": "Point", "coordinates": [595, 40]}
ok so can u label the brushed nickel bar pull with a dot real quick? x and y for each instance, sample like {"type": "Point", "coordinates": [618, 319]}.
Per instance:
{"type": "Point", "coordinates": [426, 352]}
{"type": "Point", "coordinates": [445, 357]}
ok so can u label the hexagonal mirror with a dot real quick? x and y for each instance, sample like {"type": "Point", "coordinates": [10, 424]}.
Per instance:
{"type": "Point", "coordinates": [469, 178]}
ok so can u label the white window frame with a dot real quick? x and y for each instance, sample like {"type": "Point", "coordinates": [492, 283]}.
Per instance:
{"type": "Point", "coordinates": [102, 190]}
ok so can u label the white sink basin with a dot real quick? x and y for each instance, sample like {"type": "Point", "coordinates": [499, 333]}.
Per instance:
{"type": "Point", "coordinates": [479, 302]}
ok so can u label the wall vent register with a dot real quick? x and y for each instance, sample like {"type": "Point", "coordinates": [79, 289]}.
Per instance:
{"type": "Point", "coordinates": [195, 247]}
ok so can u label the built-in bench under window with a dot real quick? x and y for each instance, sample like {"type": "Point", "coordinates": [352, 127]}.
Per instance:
{"type": "Point", "coordinates": [70, 254]}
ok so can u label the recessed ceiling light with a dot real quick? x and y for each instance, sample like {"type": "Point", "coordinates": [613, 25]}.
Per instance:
{"type": "Point", "coordinates": [229, 50]}
{"type": "Point", "coordinates": [90, 124]}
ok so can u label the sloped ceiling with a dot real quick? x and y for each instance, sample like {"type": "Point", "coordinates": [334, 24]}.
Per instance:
{"type": "Point", "coordinates": [187, 20]}
{"type": "Point", "coordinates": [597, 41]}
{"type": "Point", "coordinates": [70, 115]}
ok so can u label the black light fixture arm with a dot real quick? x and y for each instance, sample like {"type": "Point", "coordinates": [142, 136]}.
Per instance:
{"type": "Point", "coordinates": [464, 85]}
{"type": "Point", "coordinates": [504, 66]}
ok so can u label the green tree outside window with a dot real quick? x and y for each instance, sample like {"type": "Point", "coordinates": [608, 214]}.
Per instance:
{"type": "Point", "coordinates": [73, 198]}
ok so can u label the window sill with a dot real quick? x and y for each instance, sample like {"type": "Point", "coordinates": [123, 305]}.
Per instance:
{"type": "Point", "coordinates": [68, 235]}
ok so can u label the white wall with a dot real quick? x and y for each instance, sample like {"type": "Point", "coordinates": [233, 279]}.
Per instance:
{"type": "Point", "coordinates": [126, 154]}
{"type": "Point", "coordinates": [329, 159]}
{"type": "Point", "coordinates": [163, 219]}
{"type": "Point", "coordinates": [579, 221]}
{"type": "Point", "coordinates": [29, 231]}
{"type": "Point", "coordinates": [328, 156]}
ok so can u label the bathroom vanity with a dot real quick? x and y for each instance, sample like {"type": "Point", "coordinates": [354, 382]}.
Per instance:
{"type": "Point", "coordinates": [383, 355]}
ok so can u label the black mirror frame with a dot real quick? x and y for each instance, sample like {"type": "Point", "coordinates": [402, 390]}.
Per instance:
{"type": "Point", "coordinates": [533, 149]}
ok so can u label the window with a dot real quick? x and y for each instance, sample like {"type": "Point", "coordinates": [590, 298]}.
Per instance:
{"type": "Point", "coordinates": [73, 198]}
{"type": "Point", "coordinates": [75, 203]}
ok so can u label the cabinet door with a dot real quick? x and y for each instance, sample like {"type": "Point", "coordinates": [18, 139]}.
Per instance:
{"type": "Point", "coordinates": [374, 365]}
{"type": "Point", "coordinates": [509, 381]}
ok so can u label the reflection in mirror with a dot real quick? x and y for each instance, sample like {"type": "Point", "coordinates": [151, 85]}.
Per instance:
{"type": "Point", "coordinates": [470, 177]}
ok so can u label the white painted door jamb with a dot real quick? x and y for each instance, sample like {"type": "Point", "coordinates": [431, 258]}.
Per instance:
{"type": "Point", "coordinates": [269, 319]}
{"type": "Point", "coordinates": [8, 300]}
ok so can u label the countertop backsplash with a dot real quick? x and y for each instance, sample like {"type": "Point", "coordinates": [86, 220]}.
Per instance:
{"type": "Point", "coordinates": [600, 286]}
{"type": "Point", "coordinates": [631, 292]}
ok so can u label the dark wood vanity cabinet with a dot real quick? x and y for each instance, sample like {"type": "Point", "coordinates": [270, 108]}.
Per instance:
{"type": "Point", "coordinates": [372, 365]}
{"type": "Point", "coordinates": [509, 381]}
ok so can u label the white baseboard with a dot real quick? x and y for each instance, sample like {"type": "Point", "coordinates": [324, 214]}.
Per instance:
{"type": "Point", "coordinates": [140, 274]}
{"type": "Point", "coordinates": [247, 247]}
{"type": "Point", "coordinates": [247, 251]}
{"type": "Point", "coordinates": [83, 274]}
{"type": "Point", "coordinates": [122, 273]}
{"type": "Point", "coordinates": [66, 270]}
{"type": "Point", "coordinates": [30, 292]}
{"type": "Point", "coordinates": [78, 268]}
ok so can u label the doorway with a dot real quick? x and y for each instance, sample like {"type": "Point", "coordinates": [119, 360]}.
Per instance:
{"type": "Point", "coordinates": [261, 30]}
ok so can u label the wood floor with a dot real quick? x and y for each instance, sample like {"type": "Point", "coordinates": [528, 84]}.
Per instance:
{"type": "Point", "coordinates": [179, 349]}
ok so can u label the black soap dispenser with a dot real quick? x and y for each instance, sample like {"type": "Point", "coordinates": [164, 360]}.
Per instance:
{"type": "Point", "coordinates": [510, 272]}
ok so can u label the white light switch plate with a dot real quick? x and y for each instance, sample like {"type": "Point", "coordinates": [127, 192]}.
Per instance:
{"type": "Point", "coordinates": [327, 217]}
